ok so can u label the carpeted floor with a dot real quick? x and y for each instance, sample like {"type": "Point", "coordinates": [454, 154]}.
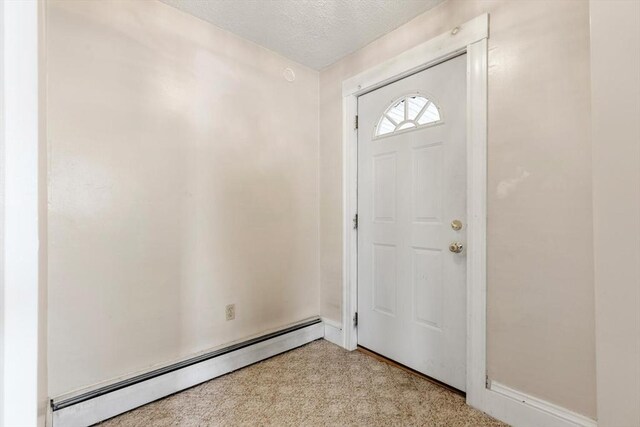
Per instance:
{"type": "Point", "coordinates": [319, 384]}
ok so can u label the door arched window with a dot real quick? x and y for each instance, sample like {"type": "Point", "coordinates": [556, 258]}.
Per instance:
{"type": "Point", "coordinates": [408, 113]}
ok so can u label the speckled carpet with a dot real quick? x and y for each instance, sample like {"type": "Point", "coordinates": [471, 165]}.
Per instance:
{"type": "Point", "coordinates": [319, 384]}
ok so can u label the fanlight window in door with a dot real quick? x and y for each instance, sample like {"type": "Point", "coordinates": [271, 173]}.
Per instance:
{"type": "Point", "coordinates": [409, 112]}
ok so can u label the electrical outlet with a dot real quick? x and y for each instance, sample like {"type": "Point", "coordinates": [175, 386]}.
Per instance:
{"type": "Point", "coordinates": [230, 312]}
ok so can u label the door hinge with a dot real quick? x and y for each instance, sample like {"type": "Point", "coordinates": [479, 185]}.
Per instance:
{"type": "Point", "coordinates": [487, 382]}
{"type": "Point", "coordinates": [355, 222]}
{"type": "Point", "coordinates": [355, 320]}
{"type": "Point", "coordinates": [356, 123]}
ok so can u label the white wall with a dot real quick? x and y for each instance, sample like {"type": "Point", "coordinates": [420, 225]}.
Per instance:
{"type": "Point", "coordinates": [2, 167]}
{"type": "Point", "coordinates": [540, 261]}
{"type": "Point", "coordinates": [24, 216]}
{"type": "Point", "coordinates": [183, 177]}
{"type": "Point", "coordinates": [615, 121]}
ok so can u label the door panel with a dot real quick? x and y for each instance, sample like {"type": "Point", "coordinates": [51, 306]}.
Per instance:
{"type": "Point", "coordinates": [384, 279]}
{"type": "Point", "coordinates": [384, 189]}
{"type": "Point", "coordinates": [427, 183]}
{"type": "Point", "coordinates": [411, 185]}
{"type": "Point", "coordinates": [427, 287]}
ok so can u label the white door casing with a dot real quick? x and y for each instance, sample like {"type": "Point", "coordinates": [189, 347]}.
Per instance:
{"type": "Point", "coordinates": [470, 37]}
{"type": "Point", "coordinates": [411, 186]}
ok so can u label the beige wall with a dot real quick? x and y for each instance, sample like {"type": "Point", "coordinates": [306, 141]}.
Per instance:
{"type": "Point", "coordinates": [615, 89]}
{"type": "Point", "coordinates": [540, 254]}
{"type": "Point", "coordinates": [183, 177]}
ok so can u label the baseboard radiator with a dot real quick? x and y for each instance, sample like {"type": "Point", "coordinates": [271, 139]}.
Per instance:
{"type": "Point", "coordinates": [105, 402]}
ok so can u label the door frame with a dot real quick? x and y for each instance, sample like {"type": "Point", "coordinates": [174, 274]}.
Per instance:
{"type": "Point", "coordinates": [470, 38]}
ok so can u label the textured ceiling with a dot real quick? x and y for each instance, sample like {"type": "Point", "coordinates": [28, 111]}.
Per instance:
{"type": "Point", "coordinates": [315, 33]}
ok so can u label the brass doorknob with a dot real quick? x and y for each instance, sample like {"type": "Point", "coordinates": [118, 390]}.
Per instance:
{"type": "Point", "coordinates": [456, 247]}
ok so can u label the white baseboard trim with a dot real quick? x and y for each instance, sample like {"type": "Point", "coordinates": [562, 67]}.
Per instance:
{"type": "Point", "coordinates": [522, 410]}
{"type": "Point", "coordinates": [97, 405]}
{"type": "Point", "coordinates": [333, 332]}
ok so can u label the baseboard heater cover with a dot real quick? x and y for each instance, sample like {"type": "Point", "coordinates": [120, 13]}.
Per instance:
{"type": "Point", "coordinates": [108, 401]}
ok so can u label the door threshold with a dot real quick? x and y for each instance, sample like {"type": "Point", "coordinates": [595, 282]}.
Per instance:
{"type": "Point", "coordinates": [391, 362]}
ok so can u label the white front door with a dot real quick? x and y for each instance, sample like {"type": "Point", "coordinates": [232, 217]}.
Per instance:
{"type": "Point", "coordinates": [411, 202]}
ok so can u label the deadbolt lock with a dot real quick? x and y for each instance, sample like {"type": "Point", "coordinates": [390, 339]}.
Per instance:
{"type": "Point", "coordinates": [456, 224]}
{"type": "Point", "coordinates": [456, 247]}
